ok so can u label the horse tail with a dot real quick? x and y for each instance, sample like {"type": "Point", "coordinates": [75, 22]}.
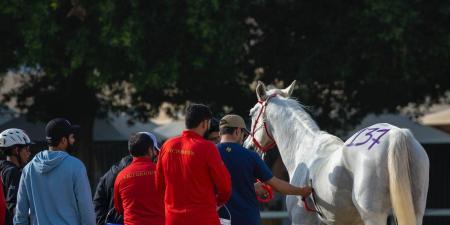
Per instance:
{"type": "Point", "coordinates": [400, 177]}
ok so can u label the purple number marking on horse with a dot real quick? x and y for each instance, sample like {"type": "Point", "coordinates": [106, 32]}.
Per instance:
{"type": "Point", "coordinates": [377, 140]}
{"type": "Point", "coordinates": [370, 137]}
{"type": "Point", "coordinates": [369, 134]}
{"type": "Point", "coordinates": [356, 136]}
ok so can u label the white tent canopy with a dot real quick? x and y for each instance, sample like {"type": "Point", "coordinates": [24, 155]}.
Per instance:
{"type": "Point", "coordinates": [125, 128]}
{"type": "Point", "coordinates": [113, 128]}
{"type": "Point", "coordinates": [103, 130]}
{"type": "Point", "coordinates": [424, 134]}
{"type": "Point", "coordinates": [171, 129]}
{"type": "Point", "coordinates": [437, 119]}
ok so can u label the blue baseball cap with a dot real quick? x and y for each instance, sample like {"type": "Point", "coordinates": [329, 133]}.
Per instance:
{"type": "Point", "coordinates": [153, 137]}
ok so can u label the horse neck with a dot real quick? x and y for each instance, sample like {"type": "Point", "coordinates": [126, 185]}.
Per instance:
{"type": "Point", "coordinates": [294, 132]}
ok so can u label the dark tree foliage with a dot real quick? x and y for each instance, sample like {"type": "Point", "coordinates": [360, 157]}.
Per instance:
{"type": "Point", "coordinates": [84, 59]}
{"type": "Point", "coordinates": [354, 57]}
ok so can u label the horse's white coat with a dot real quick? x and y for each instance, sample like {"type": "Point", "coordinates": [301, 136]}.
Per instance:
{"type": "Point", "coordinates": [351, 179]}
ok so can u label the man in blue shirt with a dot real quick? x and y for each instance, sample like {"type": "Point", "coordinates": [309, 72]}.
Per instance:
{"type": "Point", "coordinates": [245, 167]}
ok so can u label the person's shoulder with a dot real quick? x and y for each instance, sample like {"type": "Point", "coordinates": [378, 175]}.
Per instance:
{"type": "Point", "coordinates": [123, 172]}
{"type": "Point", "coordinates": [220, 146]}
{"type": "Point", "coordinates": [74, 161]}
{"type": "Point", "coordinates": [120, 175]}
{"type": "Point", "coordinates": [227, 145]}
{"type": "Point", "coordinates": [208, 145]}
{"type": "Point", "coordinates": [109, 175]}
{"type": "Point", "coordinates": [251, 153]}
{"type": "Point", "coordinates": [11, 171]}
{"type": "Point", "coordinates": [26, 170]}
{"type": "Point", "coordinates": [236, 149]}
{"type": "Point", "coordinates": [172, 140]}
{"type": "Point", "coordinates": [8, 167]}
{"type": "Point", "coordinates": [4, 164]}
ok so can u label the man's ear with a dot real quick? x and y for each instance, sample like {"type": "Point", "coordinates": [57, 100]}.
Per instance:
{"type": "Point", "coordinates": [150, 151]}
{"type": "Point", "coordinates": [64, 140]}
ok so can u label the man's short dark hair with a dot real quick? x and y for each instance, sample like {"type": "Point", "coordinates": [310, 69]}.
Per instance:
{"type": "Point", "coordinates": [213, 127]}
{"type": "Point", "coordinates": [138, 144]}
{"type": "Point", "coordinates": [197, 113]}
{"type": "Point", "coordinates": [227, 130]}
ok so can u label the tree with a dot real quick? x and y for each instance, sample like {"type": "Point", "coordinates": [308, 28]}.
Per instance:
{"type": "Point", "coordinates": [354, 57]}
{"type": "Point", "coordinates": [81, 56]}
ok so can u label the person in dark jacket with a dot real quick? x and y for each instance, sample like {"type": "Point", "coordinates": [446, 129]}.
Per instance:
{"type": "Point", "coordinates": [15, 145]}
{"type": "Point", "coordinates": [212, 134]}
{"type": "Point", "coordinates": [103, 198]}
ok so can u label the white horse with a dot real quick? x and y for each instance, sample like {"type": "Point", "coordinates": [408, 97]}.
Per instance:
{"type": "Point", "coordinates": [380, 168]}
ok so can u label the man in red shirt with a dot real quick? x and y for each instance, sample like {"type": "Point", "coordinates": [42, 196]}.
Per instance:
{"type": "Point", "coordinates": [192, 174]}
{"type": "Point", "coordinates": [135, 193]}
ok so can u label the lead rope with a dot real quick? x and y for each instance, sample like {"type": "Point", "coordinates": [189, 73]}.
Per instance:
{"type": "Point", "coordinates": [309, 209]}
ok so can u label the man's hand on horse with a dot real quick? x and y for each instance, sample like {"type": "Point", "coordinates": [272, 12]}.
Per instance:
{"type": "Point", "coordinates": [305, 191]}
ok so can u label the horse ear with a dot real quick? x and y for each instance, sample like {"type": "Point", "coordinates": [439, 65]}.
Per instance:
{"type": "Point", "coordinates": [287, 92]}
{"type": "Point", "coordinates": [261, 91]}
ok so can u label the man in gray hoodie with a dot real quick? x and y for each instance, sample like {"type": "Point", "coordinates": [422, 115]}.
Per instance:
{"type": "Point", "coordinates": [54, 188]}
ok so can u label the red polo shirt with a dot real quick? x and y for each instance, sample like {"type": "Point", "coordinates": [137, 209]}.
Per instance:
{"type": "Point", "coordinates": [136, 196]}
{"type": "Point", "coordinates": [194, 179]}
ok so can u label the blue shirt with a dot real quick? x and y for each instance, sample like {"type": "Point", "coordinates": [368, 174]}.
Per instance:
{"type": "Point", "coordinates": [245, 167]}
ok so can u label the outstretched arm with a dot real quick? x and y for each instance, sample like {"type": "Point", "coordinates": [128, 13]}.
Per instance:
{"type": "Point", "coordinates": [288, 189]}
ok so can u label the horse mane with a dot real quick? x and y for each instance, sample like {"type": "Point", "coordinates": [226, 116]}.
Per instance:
{"type": "Point", "coordinates": [296, 108]}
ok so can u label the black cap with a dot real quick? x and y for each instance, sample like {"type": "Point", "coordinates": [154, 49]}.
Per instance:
{"type": "Point", "coordinates": [58, 128]}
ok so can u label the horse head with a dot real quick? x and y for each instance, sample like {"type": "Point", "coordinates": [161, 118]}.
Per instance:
{"type": "Point", "coordinates": [260, 136]}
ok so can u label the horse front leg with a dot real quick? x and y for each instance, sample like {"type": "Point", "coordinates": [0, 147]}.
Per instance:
{"type": "Point", "coordinates": [298, 214]}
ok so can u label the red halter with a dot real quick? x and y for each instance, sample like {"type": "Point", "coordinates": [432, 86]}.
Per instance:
{"type": "Point", "coordinates": [272, 143]}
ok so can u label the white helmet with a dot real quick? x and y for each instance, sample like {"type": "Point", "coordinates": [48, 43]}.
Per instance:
{"type": "Point", "coordinates": [13, 136]}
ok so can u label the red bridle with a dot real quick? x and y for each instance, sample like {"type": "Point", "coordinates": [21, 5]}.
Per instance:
{"type": "Point", "coordinates": [272, 142]}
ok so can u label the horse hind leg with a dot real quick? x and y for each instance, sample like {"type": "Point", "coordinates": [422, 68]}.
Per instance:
{"type": "Point", "coordinates": [376, 219]}
{"type": "Point", "coordinates": [373, 218]}
{"type": "Point", "coordinates": [370, 217]}
{"type": "Point", "coordinates": [370, 198]}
